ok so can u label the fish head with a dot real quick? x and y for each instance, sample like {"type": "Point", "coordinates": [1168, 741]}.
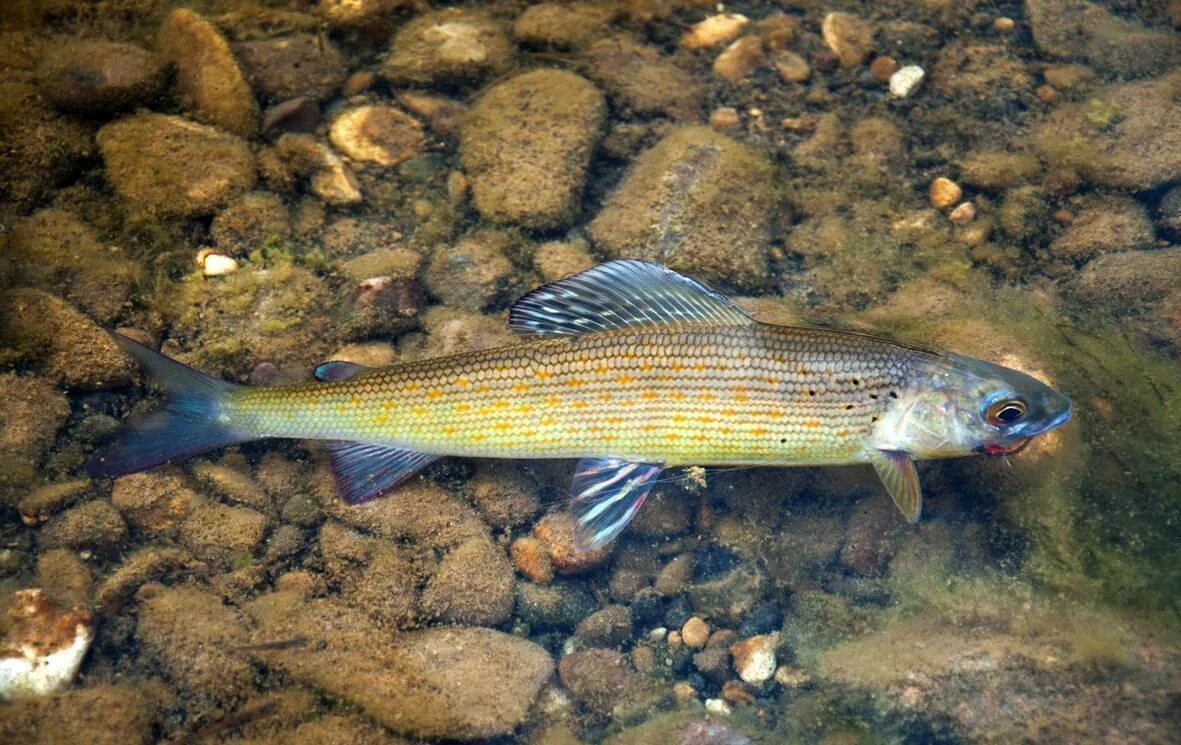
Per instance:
{"type": "Point", "coordinates": [962, 405]}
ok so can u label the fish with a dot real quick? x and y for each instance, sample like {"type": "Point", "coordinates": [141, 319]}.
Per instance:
{"type": "Point", "coordinates": [631, 368]}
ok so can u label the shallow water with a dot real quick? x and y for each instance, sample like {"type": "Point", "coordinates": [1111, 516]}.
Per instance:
{"type": "Point", "coordinates": [257, 187]}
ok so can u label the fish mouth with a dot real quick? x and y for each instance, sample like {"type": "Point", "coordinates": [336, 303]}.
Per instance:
{"type": "Point", "coordinates": [1001, 451]}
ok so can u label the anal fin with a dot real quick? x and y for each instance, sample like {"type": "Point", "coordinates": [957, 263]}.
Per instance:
{"type": "Point", "coordinates": [896, 470]}
{"type": "Point", "coordinates": [365, 471]}
{"type": "Point", "coordinates": [608, 492]}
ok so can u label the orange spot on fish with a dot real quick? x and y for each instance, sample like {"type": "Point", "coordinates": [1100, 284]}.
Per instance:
{"type": "Point", "coordinates": [625, 380]}
{"type": "Point", "coordinates": [553, 400]}
{"type": "Point", "coordinates": [578, 404]}
{"type": "Point", "coordinates": [479, 436]}
{"type": "Point", "coordinates": [729, 412]}
{"type": "Point", "coordinates": [542, 374]}
{"type": "Point", "coordinates": [605, 397]}
{"type": "Point", "coordinates": [521, 388]}
{"type": "Point", "coordinates": [381, 418]}
{"type": "Point", "coordinates": [574, 382]}
{"type": "Point", "coordinates": [528, 433]}
{"type": "Point", "coordinates": [759, 432]}
{"type": "Point", "coordinates": [602, 369]}
{"type": "Point", "coordinates": [463, 381]}
{"type": "Point", "coordinates": [354, 401]}
{"type": "Point", "coordinates": [499, 404]}
{"type": "Point", "coordinates": [707, 397]}
{"type": "Point", "coordinates": [418, 411]}
{"type": "Point", "coordinates": [434, 394]}
{"type": "Point", "coordinates": [678, 418]}
{"type": "Point", "coordinates": [646, 367]}
{"type": "Point", "coordinates": [502, 426]}
{"type": "Point", "coordinates": [412, 387]}
{"type": "Point", "coordinates": [449, 431]}
{"type": "Point", "coordinates": [648, 395]}
{"type": "Point", "coordinates": [677, 396]}
{"type": "Point", "coordinates": [672, 435]}
{"type": "Point", "coordinates": [548, 421]}
{"type": "Point", "coordinates": [461, 408]}
{"type": "Point", "coordinates": [812, 423]}
{"type": "Point", "coordinates": [525, 409]}
{"type": "Point", "coordinates": [614, 420]}
{"type": "Point", "coordinates": [341, 409]}
{"type": "Point", "coordinates": [483, 388]}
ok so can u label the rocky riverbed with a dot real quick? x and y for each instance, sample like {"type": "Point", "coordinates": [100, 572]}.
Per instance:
{"type": "Point", "coordinates": [256, 187]}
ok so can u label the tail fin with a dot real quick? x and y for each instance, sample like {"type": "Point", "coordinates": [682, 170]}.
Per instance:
{"type": "Point", "coordinates": [189, 421]}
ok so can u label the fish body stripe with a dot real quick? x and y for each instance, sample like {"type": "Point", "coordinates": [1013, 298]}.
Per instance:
{"type": "Point", "coordinates": [679, 394]}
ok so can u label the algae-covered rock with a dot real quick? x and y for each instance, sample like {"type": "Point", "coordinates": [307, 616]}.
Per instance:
{"type": "Point", "coordinates": [208, 76]}
{"type": "Point", "coordinates": [97, 715]}
{"type": "Point", "coordinates": [1118, 46]}
{"type": "Point", "coordinates": [85, 77]}
{"type": "Point", "coordinates": [191, 635]}
{"type": "Point", "coordinates": [292, 66]}
{"type": "Point", "coordinates": [378, 134]}
{"type": "Point", "coordinates": [683, 728]}
{"type": "Point", "coordinates": [1102, 226]}
{"type": "Point", "coordinates": [1130, 280]}
{"type": "Point", "coordinates": [697, 202]}
{"type": "Point", "coordinates": [526, 144]}
{"type": "Point", "coordinates": [222, 533]}
{"type": "Point", "coordinates": [55, 251]}
{"type": "Point", "coordinates": [558, 259]}
{"type": "Point", "coordinates": [474, 273]}
{"type": "Point", "coordinates": [442, 683]}
{"type": "Point", "coordinates": [41, 147]}
{"type": "Point", "coordinates": [558, 605]}
{"type": "Point", "coordinates": [66, 345]}
{"type": "Point", "coordinates": [377, 577]}
{"type": "Point", "coordinates": [562, 25]}
{"type": "Point", "coordinates": [449, 45]}
{"type": "Point", "coordinates": [94, 526]}
{"type": "Point", "coordinates": [280, 313]}
{"type": "Point", "coordinates": [988, 75]}
{"type": "Point", "coordinates": [640, 80]}
{"type": "Point", "coordinates": [31, 411]}
{"type": "Point", "coordinates": [1126, 135]}
{"type": "Point", "coordinates": [172, 166]}
{"type": "Point", "coordinates": [473, 585]}
{"type": "Point", "coordinates": [255, 220]}
{"type": "Point", "coordinates": [155, 501]}
{"type": "Point", "coordinates": [605, 682]}
{"type": "Point", "coordinates": [997, 170]}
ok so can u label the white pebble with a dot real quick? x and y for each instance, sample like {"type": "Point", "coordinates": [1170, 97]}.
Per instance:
{"type": "Point", "coordinates": [44, 656]}
{"type": "Point", "coordinates": [214, 265]}
{"type": "Point", "coordinates": [717, 706]}
{"type": "Point", "coordinates": [904, 81]}
{"type": "Point", "coordinates": [657, 634]}
{"type": "Point", "coordinates": [714, 30]}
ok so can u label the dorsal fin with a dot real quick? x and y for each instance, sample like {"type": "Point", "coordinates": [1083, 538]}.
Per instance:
{"type": "Point", "coordinates": [619, 294]}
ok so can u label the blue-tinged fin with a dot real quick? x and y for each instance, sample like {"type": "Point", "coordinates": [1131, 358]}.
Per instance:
{"type": "Point", "coordinates": [365, 471]}
{"type": "Point", "coordinates": [191, 420]}
{"type": "Point", "coordinates": [618, 294]}
{"type": "Point", "coordinates": [335, 370]}
{"type": "Point", "coordinates": [896, 470]}
{"type": "Point", "coordinates": [608, 492]}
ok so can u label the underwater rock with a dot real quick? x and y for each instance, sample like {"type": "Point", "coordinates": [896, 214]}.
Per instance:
{"type": "Point", "coordinates": [562, 25]}
{"type": "Point", "coordinates": [556, 531]}
{"type": "Point", "coordinates": [792, 67]}
{"type": "Point", "coordinates": [849, 37]}
{"type": "Point", "coordinates": [560, 605]}
{"type": "Point", "coordinates": [505, 497]}
{"type": "Point", "coordinates": [146, 565]}
{"type": "Point", "coordinates": [292, 66]}
{"type": "Point", "coordinates": [473, 273]}
{"type": "Point", "coordinates": [329, 177]}
{"type": "Point", "coordinates": [714, 30]}
{"type": "Point", "coordinates": [216, 532]}
{"type": "Point", "coordinates": [989, 75]}
{"type": "Point", "coordinates": [1129, 280]}
{"type": "Point", "coordinates": [174, 167]}
{"type": "Point", "coordinates": [89, 77]}
{"type": "Point", "coordinates": [41, 147]}
{"type": "Point", "coordinates": [531, 559]}
{"type": "Point", "coordinates": [155, 501]}
{"type": "Point", "coordinates": [675, 576]}
{"type": "Point", "coordinates": [1127, 135]}
{"type": "Point", "coordinates": [740, 60]}
{"type": "Point", "coordinates": [46, 501]}
{"type": "Point", "coordinates": [377, 134]}
{"type": "Point", "coordinates": [698, 202]}
{"type": "Point", "coordinates": [1104, 225]}
{"type": "Point", "coordinates": [208, 77]}
{"type": "Point", "coordinates": [372, 18]}
{"type": "Point", "coordinates": [452, 45]}
{"type": "Point", "coordinates": [1119, 46]}
{"type": "Point", "coordinates": [997, 170]}
{"type": "Point", "coordinates": [278, 313]}
{"type": "Point", "coordinates": [605, 682]}
{"type": "Point", "coordinates": [686, 727]}
{"type": "Point", "coordinates": [641, 81]}
{"type": "Point", "coordinates": [754, 658]}
{"type": "Point", "coordinates": [254, 220]}
{"type": "Point", "coordinates": [729, 598]}
{"type": "Point", "coordinates": [1169, 212]}
{"type": "Point", "coordinates": [64, 578]}
{"type": "Point", "coordinates": [67, 346]}
{"type": "Point", "coordinates": [193, 637]}
{"type": "Point", "coordinates": [31, 412]}
{"type": "Point", "coordinates": [53, 250]}
{"type": "Point", "coordinates": [443, 116]}
{"type": "Point", "coordinates": [42, 646]}
{"type": "Point", "coordinates": [441, 683]}
{"type": "Point", "coordinates": [558, 259]}
{"type": "Point", "coordinates": [377, 577]}
{"type": "Point", "coordinates": [472, 586]}
{"type": "Point", "coordinates": [229, 480]}
{"type": "Point", "coordinates": [526, 144]}
{"type": "Point", "coordinates": [695, 633]}
{"type": "Point", "coordinates": [610, 627]}
{"type": "Point", "coordinates": [91, 526]}
{"type": "Point", "coordinates": [96, 715]}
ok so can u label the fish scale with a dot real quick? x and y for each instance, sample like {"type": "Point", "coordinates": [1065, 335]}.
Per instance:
{"type": "Point", "coordinates": [679, 394]}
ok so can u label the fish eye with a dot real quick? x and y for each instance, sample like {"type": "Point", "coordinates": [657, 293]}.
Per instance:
{"type": "Point", "coordinates": [1005, 411]}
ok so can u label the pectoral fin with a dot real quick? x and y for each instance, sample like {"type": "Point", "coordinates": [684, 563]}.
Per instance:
{"type": "Point", "coordinates": [608, 492]}
{"type": "Point", "coordinates": [896, 470]}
